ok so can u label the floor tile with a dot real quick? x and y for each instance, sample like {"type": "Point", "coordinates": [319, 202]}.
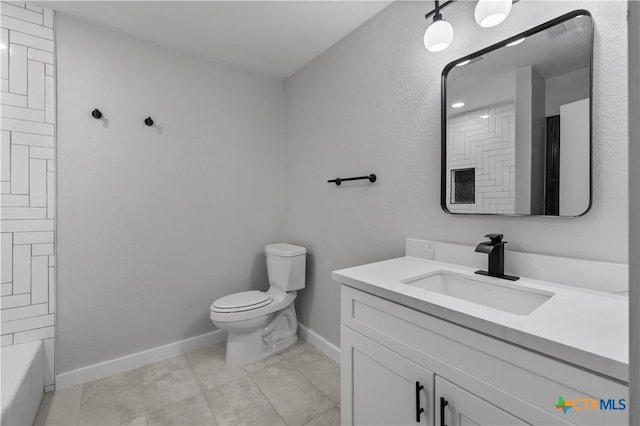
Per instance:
{"type": "Point", "coordinates": [299, 347]}
{"type": "Point", "coordinates": [321, 370]}
{"type": "Point", "coordinates": [210, 369]}
{"type": "Point", "coordinates": [60, 407]}
{"type": "Point", "coordinates": [115, 400]}
{"type": "Point", "coordinates": [259, 365]}
{"type": "Point", "coordinates": [241, 402]}
{"type": "Point", "coordinates": [189, 411]}
{"type": "Point", "coordinates": [295, 398]}
{"type": "Point", "coordinates": [328, 418]}
{"type": "Point", "coordinates": [168, 381]}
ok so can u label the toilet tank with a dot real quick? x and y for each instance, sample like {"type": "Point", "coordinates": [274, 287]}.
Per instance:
{"type": "Point", "coordinates": [286, 266]}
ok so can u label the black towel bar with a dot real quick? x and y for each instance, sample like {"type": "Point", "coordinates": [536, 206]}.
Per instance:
{"type": "Point", "coordinates": [372, 178]}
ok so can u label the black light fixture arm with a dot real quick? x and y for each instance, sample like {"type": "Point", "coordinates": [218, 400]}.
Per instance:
{"type": "Point", "coordinates": [436, 10]}
{"type": "Point", "coordinates": [439, 7]}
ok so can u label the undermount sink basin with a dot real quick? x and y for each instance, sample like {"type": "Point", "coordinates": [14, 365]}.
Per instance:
{"type": "Point", "coordinates": [506, 297]}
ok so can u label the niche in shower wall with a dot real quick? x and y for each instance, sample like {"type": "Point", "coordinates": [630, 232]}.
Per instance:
{"type": "Point", "coordinates": [464, 186]}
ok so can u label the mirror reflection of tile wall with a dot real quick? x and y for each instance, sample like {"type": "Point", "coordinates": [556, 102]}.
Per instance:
{"type": "Point", "coordinates": [484, 138]}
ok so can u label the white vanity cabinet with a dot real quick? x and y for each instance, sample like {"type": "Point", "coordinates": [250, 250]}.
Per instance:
{"type": "Point", "coordinates": [386, 388]}
{"type": "Point", "coordinates": [388, 347]}
{"type": "Point", "coordinates": [457, 406]}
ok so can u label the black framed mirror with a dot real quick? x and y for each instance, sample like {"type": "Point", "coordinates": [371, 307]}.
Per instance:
{"type": "Point", "coordinates": [516, 124]}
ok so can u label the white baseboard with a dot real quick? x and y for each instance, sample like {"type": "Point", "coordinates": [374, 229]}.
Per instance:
{"type": "Point", "coordinates": [129, 362]}
{"type": "Point", "coordinates": [328, 348]}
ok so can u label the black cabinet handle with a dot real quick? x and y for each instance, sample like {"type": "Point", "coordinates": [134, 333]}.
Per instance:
{"type": "Point", "coordinates": [419, 410]}
{"type": "Point", "coordinates": [443, 404]}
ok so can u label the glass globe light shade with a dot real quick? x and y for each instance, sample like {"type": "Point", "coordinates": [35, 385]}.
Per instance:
{"type": "Point", "coordinates": [490, 13]}
{"type": "Point", "coordinates": [438, 36]}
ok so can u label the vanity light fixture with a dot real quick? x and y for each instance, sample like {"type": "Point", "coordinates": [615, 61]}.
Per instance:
{"type": "Point", "coordinates": [488, 13]}
{"type": "Point", "coordinates": [439, 34]}
{"type": "Point", "coordinates": [457, 105]}
{"type": "Point", "coordinates": [517, 42]}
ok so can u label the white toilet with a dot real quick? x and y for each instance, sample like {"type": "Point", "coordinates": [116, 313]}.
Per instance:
{"type": "Point", "coordinates": [258, 323]}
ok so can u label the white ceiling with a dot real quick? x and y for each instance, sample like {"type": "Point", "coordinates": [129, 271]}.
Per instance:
{"type": "Point", "coordinates": [274, 38]}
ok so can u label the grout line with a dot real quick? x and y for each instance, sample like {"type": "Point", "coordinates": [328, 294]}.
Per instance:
{"type": "Point", "coordinates": [265, 395]}
{"type": "Point", "coordinates": [201, 389]}
{"type": "Point", "coordinates": [308, 378]}
{"type": "Point", "coordinates": [321, 414]}
{"type": "Point", "coordinates": [79, 405]}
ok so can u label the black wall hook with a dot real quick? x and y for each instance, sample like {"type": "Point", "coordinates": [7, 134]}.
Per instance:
{"type": "Point", "coordinates": [148, 121]}
{"type": "Point", "coordinates": [96, 114]}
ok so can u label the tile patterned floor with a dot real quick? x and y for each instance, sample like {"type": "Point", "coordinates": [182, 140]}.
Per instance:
{"type": "Point", "coordinates": [298, 387]}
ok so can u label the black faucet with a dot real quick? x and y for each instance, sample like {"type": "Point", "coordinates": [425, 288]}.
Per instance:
{"type": "Point", "coordinates": [495, 250]}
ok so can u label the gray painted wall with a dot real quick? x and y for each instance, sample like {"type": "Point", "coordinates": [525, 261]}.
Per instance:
{"type": "Point", "coordinates": [156, 223]}
{"type": "Point", "coordinates": [371, 103]}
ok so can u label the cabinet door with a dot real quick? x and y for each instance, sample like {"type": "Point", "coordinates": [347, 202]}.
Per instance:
{"type": "Point", "coordinates": [380, 387]}
{"type": "Point", "coordinates": [462, 408]}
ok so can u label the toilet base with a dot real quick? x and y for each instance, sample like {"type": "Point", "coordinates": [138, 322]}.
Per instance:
{"type": "Point", "coordinates": [239, 356]}
{"type": "Point", "coordinates": [279, 334]}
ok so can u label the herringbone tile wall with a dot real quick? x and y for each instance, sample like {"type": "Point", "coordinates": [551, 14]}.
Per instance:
{"type": "Point", "coordinates": [27, 167]}
{"type": "Point", "coordinates": [485, 139]}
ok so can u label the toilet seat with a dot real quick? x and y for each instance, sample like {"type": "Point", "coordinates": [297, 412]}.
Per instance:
{"type": "Point", "coordinates": [241, 302]}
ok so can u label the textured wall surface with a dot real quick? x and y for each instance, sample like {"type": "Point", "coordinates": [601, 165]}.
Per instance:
{"type": "Point", "coordinates": [371, 103]}
{"type": "Point", "coordinates": [485, 139]}
{"type": "Point", "coordinates": [155, 223]}
{"type": "Point", "coordinates": [28, 177]}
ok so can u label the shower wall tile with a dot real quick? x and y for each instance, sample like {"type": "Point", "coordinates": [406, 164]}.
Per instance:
{"type": "Point", "coordinates": [31, 41]}
{"type": "Point", "coordinates": [6, 289]}
{"type": "Point", "coordinates": [32, 139]}
{"type": "Point", "coordinates": [13, 99]}
{"type": "Point", "coordinates": [35, 83]}
{"type": "Point", "coordinates": [7, 339]}
{"type": "Point", "coordinates": [4, 54]}
{"type": "Point", "coordinates": [26, 27]}
{"type": "Point", "coordinates": [17, 69]}
{"type": "Point", "coordinates": [19, 169]}
{"type": "Point", "coordinates": [40, 56]}
{"type": "Point", "coordinates": [22, 13]}
{"type": "Point", "coordinates": [14, 301]}
{"type": "Point", "coordinates": [22, 113]}
{"type": "Point", "coordinates": [35, 334]}
{"type": "Point", "coordinates": [32, 237]}
{"type": "Point", "coordinates": [27, 178]}
{"type": "Point", "coordinates": [484, 139]}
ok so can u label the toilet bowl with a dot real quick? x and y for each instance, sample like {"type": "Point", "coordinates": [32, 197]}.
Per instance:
{"type": "Point", "coordinates": [260, 324]}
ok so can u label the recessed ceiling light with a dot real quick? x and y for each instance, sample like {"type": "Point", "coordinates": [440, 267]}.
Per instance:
{"type": "Point", "coordinates": [517, 42]}
{"type": "Point", "coordinates": [463, 63]}
{"type": "Point", "coordinates": [457, 105]}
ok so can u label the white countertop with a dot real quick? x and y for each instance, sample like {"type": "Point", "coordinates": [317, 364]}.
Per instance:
{"type": "Point", "coordinates": [586, 328]}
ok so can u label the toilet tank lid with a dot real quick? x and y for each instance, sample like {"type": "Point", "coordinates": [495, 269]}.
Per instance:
{"type": "Point", "coordinates": [284, 250]}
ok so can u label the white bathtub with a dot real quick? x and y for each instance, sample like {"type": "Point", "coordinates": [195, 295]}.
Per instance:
{"type": "Point", "coordinates": [22, 382]}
